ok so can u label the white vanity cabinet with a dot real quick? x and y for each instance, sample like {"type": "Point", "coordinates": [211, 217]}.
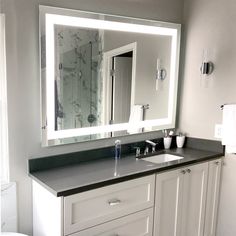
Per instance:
{"type": "Point", "coordinates": [186, 200]}
{"type": "Point", "coordinates": [122, 208]}
{"type": "Point", "coordinates": [180, 202]}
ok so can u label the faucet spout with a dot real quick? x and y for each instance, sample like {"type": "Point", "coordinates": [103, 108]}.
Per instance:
{"type": "Point", "coordinates": [151, 143]}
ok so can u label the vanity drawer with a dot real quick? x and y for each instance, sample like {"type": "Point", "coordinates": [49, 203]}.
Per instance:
{"type": "Point", "coordinates": [138, 224]}
{"type": "Point", "coordinates": [100, 205]}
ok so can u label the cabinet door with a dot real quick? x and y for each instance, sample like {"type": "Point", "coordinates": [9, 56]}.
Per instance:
{"type": "Point", "coordinates": [212, 197]}
{"type": "Point", "coordinates": [194, 200]}
{"type": "Point", "coordinates": [168, 203]}
{"type": "Point", "coordinates": [138, 224]}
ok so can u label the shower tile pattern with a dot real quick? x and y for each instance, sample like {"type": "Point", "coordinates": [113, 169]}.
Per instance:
{"type": "Point", "coordinates": [78, 79]}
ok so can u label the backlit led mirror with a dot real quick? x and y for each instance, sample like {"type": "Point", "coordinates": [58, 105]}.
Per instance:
{"type": "Point", "coordinates": [104, 76]}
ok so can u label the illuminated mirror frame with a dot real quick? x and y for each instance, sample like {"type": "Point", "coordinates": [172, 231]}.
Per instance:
{"type": "Point", "coordinates": [51, 16]}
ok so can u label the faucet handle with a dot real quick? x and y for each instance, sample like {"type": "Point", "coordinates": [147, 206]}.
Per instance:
{"type": "Point", "coordinates": [137, 154]}
{"type": "Point", "coordinates": [153, 149]}
{"type": "Point", "coordinates": [146, 151]}
{"type": "Point", "coordinates": [152, 144]}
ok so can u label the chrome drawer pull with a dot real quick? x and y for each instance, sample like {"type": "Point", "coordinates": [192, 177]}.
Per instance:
{"type": "Point", "coordinates": [188, 170]}
{"type": "Point", "coordinates": [114, 202]}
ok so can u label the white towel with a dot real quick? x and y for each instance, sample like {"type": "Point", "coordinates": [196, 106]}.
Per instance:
{"type": "Point", "coordinates": [136, 115]}
{"type": "Point", "coordinates": [229, 128]}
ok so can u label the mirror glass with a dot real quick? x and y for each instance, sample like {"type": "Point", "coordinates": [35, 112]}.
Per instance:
{"type": "Point", "coordinates": [105, 76]}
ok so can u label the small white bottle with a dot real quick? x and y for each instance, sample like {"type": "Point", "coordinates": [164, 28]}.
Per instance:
{"type": "Point", "coordinates": [167, 142]}
{"type": "Point", "coordinates": [180, 139]}
{"type": "Point", "coordinates": [167, 138]}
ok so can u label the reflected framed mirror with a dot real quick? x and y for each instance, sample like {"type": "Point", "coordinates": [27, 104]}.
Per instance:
{"type": "Point", "coordinates": [105, 76]}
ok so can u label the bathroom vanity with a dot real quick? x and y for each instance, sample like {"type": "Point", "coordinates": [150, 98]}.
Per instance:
{"type": "Point", "coordinates": [128, 197]}
{"type": "Point", "coordinates": [98, 74]}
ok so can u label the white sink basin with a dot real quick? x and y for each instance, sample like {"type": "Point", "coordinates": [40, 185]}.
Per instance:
{"type": "Point", "coordinates": [162, 158]}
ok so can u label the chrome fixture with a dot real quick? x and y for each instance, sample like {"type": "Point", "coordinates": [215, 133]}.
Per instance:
{"type": "Point", "coordinates": [145, 107]}
{"type": "Point", "coordinates": [114, 202]}
{"type": "Point", "coordinates": [161, 72]}
{"type": "Point", "coordinates": [207, 68]}
{"type": "Point", "coordinates": [222, 106]}
{"type": "Point", "coordinates": [138, 152]}
{"type": "Point", "coordinates": [146, 151]}
{"type": "Point", "coordinates": [186, 171]}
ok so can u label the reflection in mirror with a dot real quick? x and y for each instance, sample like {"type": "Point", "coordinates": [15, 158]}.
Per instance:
{"type": "Point", "coordinates": [99, 77]}
{"type": "Point", "coordinates": [78, 82]}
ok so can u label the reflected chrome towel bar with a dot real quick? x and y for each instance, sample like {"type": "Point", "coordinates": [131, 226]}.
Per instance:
{"type": "Point", "coordinates": [222, 106]}
{"type": "Point", "coordinates": [145, 107]}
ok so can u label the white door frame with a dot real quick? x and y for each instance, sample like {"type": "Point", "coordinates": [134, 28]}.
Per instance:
{"type": "Point", "coordinates": [4, 149]}
{"type": "Point", "coordinates": [107, 81]}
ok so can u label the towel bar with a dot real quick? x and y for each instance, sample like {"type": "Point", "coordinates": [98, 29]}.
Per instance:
{"type": "Point", "coordinates": [144, 107]}
{"type": "Point", "coordinates": [222, 106]}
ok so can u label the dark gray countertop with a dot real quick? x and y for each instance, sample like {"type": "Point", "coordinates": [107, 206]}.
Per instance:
{"type": "Point", "coordinates": [71, 179]}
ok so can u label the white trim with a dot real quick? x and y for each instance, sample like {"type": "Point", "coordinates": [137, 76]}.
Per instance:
{"type": "Point", "coordinates": [4, 150]}
{"type": "Point", "coordinates": [108, 66]}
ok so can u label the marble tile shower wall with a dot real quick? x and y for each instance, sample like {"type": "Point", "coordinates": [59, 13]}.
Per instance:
{"type": "Point", "coordinates": [79, 78]}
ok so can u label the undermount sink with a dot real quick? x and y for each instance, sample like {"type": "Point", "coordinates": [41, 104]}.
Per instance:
{"type": "Point", "coordinates": [161, 158]}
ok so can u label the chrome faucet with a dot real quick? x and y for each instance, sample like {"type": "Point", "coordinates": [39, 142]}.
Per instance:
{"type": "Point", "coordinates": [137, 152]}
{"type": "Point", "coordinates": [146, 151]}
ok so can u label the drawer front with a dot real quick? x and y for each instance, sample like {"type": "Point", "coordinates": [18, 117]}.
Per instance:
{"type": "Point", "coordinates": [138, 224]}
{"type": "Point", "coordinates": [97, 206]}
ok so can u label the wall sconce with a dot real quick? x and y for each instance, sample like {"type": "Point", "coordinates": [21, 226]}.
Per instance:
{"type": "Point", "coordinates": [160, 73]}
{"type": "Point", "coordinates": [207, 68]}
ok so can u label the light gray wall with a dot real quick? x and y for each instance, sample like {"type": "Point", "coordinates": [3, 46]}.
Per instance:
{"type": "Point", "coordinates": [210, 25]}
{"type": "Point", "coordinates": [23, 81]}
{"type": "Point", "coordinates": [149, 47]}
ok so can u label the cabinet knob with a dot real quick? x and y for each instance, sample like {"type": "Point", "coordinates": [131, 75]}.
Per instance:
{"type": "Point", "coordinates": [217, 163]}
{"type": "Point", "coordinates": [188, 171]}
{"type": "Point", "coordinates": [114, 202]}
{"type": "Point", "coordinates": [183, 172]}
